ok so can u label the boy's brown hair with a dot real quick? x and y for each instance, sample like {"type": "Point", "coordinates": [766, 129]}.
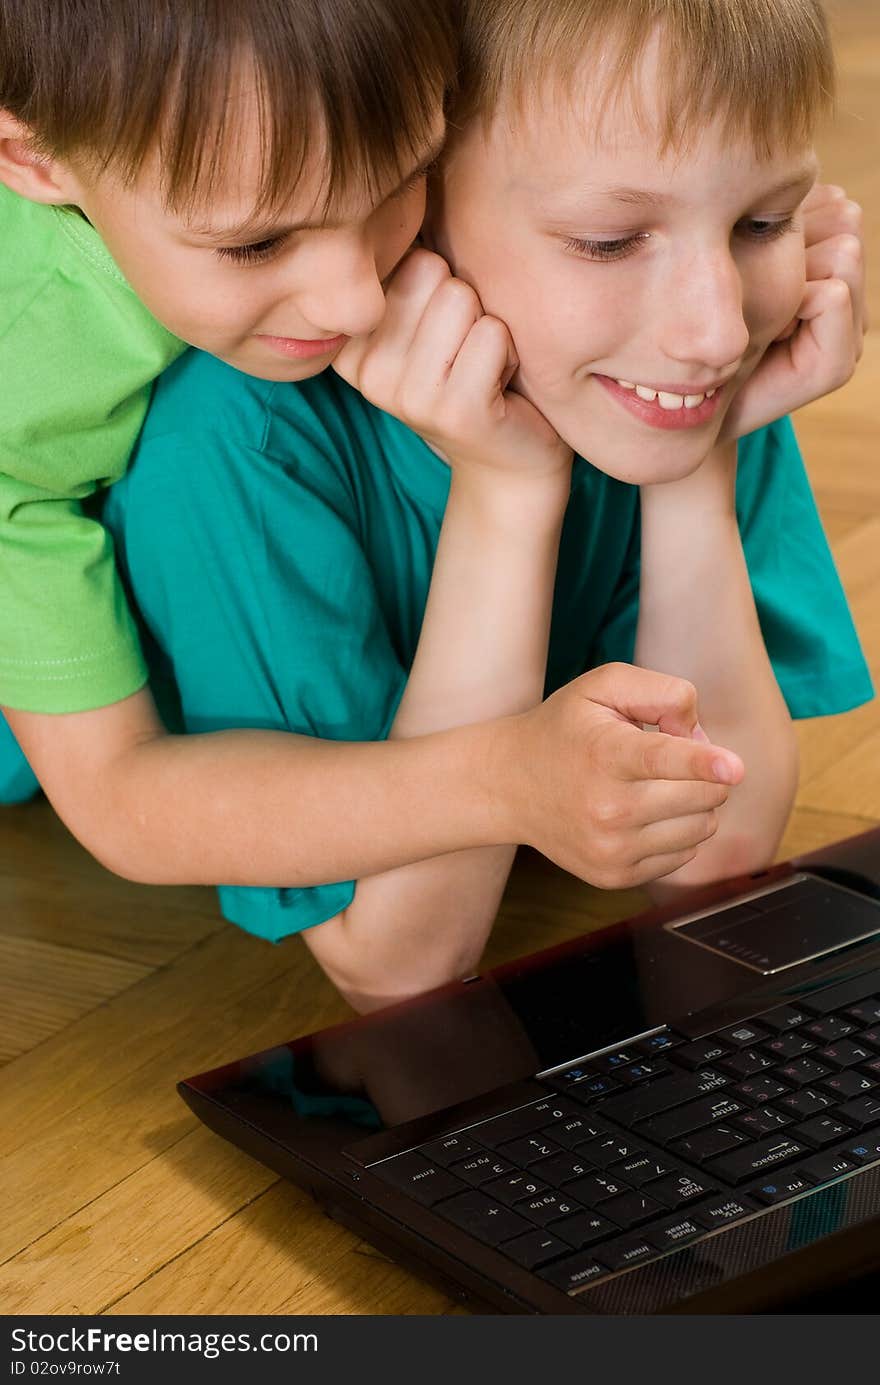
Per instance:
{"type": "Point", "coordinates": [761, 66]}
{"type": "Point", "coordinates": [107, 79]}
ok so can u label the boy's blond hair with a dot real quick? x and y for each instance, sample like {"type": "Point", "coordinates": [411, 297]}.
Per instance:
{"type": "Point", "coordinates": [761, 66]}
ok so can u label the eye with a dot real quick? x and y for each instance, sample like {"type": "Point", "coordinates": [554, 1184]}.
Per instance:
{"type": "Point", "coordinates": [257, 253]}
{"type": "Point", "coordinates": [617, 249]}
{"type": "Point", "coordinates": [758, 228]}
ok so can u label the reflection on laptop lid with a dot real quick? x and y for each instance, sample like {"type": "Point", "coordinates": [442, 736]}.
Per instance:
{"type": "Point", "coordinates": [680, 1113]}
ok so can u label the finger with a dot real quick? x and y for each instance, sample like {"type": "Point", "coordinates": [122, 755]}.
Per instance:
{"type": "Point", "coordinates": [660, 800]}
{"type": "Point", "coordinates": [642, 695]}
{"type": "Point", "coordinates": [486, 360]}
{"type": "Point", "coordinates": [842, 257]}
{"type": "Point", "coordinates": [653, 755]}
{"type": "Point", "coordinates": [824, 349]}
{"type": "Point", "coordinates": [678, 834]}
{"type": "Point", "coordinates": [655, 867]}
{"type": "Point", "coordinates": [435, 347]}
{"type": "Point", "coordinates": [829, 213]}
{"type": "Point", "coordinates": [374, 363]}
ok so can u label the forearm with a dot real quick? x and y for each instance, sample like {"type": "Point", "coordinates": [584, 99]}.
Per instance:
{"type": "Point", "coordinates": [697, 619]}
{"type": "Point", "coordinates": [482, 653]}
{"type": "Point", "coordinates": [261, 807]}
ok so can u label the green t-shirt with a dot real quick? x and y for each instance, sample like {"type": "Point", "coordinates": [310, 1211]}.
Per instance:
{"type": "Point", "coordinates": [280, 541]}
{"type": "Point", "coordinates": [78, 354]}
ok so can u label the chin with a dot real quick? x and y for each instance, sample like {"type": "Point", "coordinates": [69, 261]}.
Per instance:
{"type": "Point", "coordinates": [640, 465]}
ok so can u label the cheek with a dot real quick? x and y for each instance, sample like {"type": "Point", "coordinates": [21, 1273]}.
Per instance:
{"type": "Point", "coordinates": [776, 289]}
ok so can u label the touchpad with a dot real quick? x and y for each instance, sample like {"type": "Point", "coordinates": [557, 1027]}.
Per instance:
{"type": "Point", "coordinates": [785, 926]}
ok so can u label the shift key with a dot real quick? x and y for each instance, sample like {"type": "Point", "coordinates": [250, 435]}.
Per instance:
{"type": "Point", "coordinates": [752, 1160]}
{"type": "Point", "coordinates": [632, 1107]}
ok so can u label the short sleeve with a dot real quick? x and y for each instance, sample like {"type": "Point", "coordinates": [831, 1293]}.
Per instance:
{"type": "Point", "coordinates": [803, 612]}
{"type": "Point", "coordinates": [250, 575]}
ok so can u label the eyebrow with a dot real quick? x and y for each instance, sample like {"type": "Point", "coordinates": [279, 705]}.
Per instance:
{"type": "Point", "coordinates": [255, 231]}
{"type": "Point", "coordinates": [641, 197]}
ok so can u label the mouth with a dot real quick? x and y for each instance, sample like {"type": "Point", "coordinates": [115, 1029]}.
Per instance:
{"type": "Point", "coordinates": [302, 348]}
{"type": "Point", "coordinates": [663, 407]}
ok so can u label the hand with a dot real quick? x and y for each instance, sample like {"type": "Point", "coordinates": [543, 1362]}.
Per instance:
{"type": "Point", "coordinates": [818, 350]}
{"type": "Point", "coordinates": [439, 364]}
{"type": "Point", "coordinates": [605, 799]}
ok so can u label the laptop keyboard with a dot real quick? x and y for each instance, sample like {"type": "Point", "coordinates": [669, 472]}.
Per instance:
{"type": "Point", "coordinates": [651, 1146]}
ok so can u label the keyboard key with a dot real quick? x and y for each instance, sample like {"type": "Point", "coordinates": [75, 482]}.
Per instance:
{"type": "Point", "coordinates": [871, 1036]}
{"type": "Point", "coordinates": [843, 995]}
{"type": "Point", "coordinates": [675, 1231]}
{"type": "Point", "coordinates": [631, 1209]}
{"type": "Point", "coordinates": [578, 1130]}
{"type": "Point", "coordinates": [802, 1072]}
{"type": "Point", "coordinates": [480, 1168]}
{"type": "Point", "coordinates": [847, 1084]}
{"type": "Point", "coordinates": [747, 1062]}
{"type": "Point", "coordinates": [782, 1018]}
{"type": "Point", "coordinates": [609, 1061]}
{"type": "Point", "coordinates": [514, 1188]}
{"type": "Point", "coordinates": [708, 1143]}
{"type": "Point", "coordinates": [537, 1116]}
{"type": "Point", "coordinates": [806, 1102]}
{"type": "Point", "coordinates": [741, 1035]}
{"type": "Point", "coordinates": [671, 1125]}
{"type": "Point", "coordinates": [873, 1068]}
{"type": "Point", "coordinates": [634, 1106]}
{"type": "Point", "coordinates": [790, 1045]}
{"type": "Point", "coordinates": [864, 1150]}
{"type": "Point", "coordinates": [866, 1012]}
{"type": "Point", "coordinates": [760, 1089]}
{"type": "Point", "coordinates": [754, 1159]}
{"type": "Point", "coordinates": [627, 1251]}
{"type": "Point", "coordinates": [788, 1185]}
{"type": "Point", "coordinates": [610, 1150]}
{"type": "Point", "coordinates": [574, 1272]}
{"type": "Point", "coordinates": [762, 1121]}
{"type": "Point", "coordinates": [722, 1211]}
{"type": "Point", "coordinates": [534, 1249]}
{"type": "Point", "coordinates": [529, 1150]}
{"type": "Point", "coordinates": [547, 1207]}
{"type": "Point", "coordinates": [701, 1053]}
{"type": "Point", "coordinates": [861, 1112]}
{"type": "Point", "coordinates": [562, 1168]}
{"type": "Point", "coordinates": [640, 1169]}
{"type": "Point", "coordinates": [449, 1149]}
{"type": "Point", "coordinates": [844, 1054]}
{"type": "Point", "coordinates": [585, 1229]}
{"type": "Point", "coordinates": [420, 1178]}
{"type": "Point", "coordinates": [679, 1188]}
{"type": "Point", "coordinates": [823, 1167]}
{"type": "Point", "coordinates": [658, 1043]}
{"type": "Point", "coordinates": [596, 1188]}
{"type": "Point", "coordinates": [822, 1131]}
{"type": "Point", "coordinates": [829, 1028]}
{"type": "Point", "coordinates": [570, 1077]}
{"type": "Point", "coordinates": [642, 1072]}
{"type": "Point", "coordinates": [488, 1221]}
{"type": "Point", "coordinates": [594, 1087]}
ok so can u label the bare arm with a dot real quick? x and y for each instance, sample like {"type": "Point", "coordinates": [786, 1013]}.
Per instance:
{"type": "Point", "coordinates": [697, 618]}
{"type": "Point", "coordinates": [482, 653]}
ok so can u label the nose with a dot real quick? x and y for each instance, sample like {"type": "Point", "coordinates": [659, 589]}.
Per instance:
{"type": "Point", "coordinates": [344, 293]}
{"type": "Point", "coordinates": [704, 321]}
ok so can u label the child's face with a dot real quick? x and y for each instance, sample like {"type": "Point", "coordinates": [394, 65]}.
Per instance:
{"type": "Point", "coordinates": [281, 308]}
{"type": "Point", "coordinates": [609, 264]}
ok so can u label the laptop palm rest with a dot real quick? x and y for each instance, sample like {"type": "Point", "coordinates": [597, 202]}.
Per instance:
{"type": "Point", "coordinates": [784, 926]}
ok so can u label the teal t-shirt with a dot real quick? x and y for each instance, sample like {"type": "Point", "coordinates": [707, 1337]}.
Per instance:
{"type": "Point", "coordinates": [279, 541]}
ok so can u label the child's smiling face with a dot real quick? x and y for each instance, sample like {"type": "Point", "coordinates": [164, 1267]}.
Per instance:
{"type": "Point", "coordinates": [610, 263]}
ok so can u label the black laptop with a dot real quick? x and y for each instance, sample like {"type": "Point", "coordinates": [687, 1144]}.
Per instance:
{"type": "Point", "coordinates": [680, 1113]}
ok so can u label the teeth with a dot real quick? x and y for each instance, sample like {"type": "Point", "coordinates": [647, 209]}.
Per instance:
{"type": "Point", "coordinates": [670, 401]}
{"type": "Point", "coordinates": [626, 384]}
{"type": "Point", "coordinates": [709, 393]}
{"type": "Point", "coordinates": [692, 400]}
{"type": "Point", "coordinates": [644, 393]}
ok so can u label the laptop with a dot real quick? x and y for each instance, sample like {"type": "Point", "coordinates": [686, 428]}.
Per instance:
{"type": "Point", "coordinates": [676, 1114]}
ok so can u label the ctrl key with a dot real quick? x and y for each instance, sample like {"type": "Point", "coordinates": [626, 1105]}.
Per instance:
{"type": "Point", "coordinates": [573, 1273]}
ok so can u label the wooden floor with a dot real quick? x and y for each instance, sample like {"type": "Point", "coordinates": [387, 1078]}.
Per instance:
{"type": "Point", "coordinates": [113, 1199]}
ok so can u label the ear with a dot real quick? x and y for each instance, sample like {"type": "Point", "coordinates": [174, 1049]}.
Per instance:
{"type": "Point", "coordinates": [26, 171]}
